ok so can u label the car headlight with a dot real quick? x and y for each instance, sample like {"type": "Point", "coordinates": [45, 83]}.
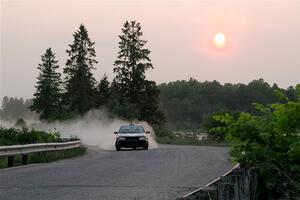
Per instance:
{"type": "Point", "coordinates": [121, 138]}
{"type": "Point", "coordinates": [142, 138]}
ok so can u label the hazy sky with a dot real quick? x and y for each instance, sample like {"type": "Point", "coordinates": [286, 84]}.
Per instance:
{"type": "Point", "coordinates": [262, 39]}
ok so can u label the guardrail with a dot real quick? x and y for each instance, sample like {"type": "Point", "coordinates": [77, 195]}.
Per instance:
{"type": "Point", "coordinates": [24, 150]}
{"type": "Point", "coordinates": [203, 192]}
{"type": "Point", "coordinates": [237, 184]}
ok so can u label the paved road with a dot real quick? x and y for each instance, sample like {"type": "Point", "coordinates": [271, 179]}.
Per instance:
{"type": "Point", "coordinates": [164, 173]}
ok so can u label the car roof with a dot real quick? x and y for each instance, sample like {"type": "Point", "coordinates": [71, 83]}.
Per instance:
{"type": "Point", "coordinates": [132, 125]}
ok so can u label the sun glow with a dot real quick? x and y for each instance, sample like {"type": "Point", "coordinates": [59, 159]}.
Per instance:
{"type": "Point", "coordinates": [220, 40]}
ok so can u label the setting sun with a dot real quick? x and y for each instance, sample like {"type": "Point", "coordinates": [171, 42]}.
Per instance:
{"type": "Point", "coordinates": [219, 40]}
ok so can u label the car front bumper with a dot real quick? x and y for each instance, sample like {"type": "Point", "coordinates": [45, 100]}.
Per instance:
{"type": "Point", "coordinates": [131, 143]}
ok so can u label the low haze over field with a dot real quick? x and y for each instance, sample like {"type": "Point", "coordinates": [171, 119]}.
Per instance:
{"type": "Point", "coordinates": [262, 39]}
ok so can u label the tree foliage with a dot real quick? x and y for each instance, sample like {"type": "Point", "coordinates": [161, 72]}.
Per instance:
{"type": "Point", "coordinates": [270, 142]}
{"type": "Point", "coordinates": [189, 104]}
{"type": "Point", "coordinates": [132, 63]}
{"type": "Point", "coordinates": [137, 97]}
{"type": "Point", "coordinates": [14, 108]}
{"type": "Point", "coordinates": [80, 84]}
{"type": "Point", "coordinates": [47, 98]}
{"type": "Point", "coordinates": [103, 92]}
{"type": "Point", "coordinates": [130, 95]}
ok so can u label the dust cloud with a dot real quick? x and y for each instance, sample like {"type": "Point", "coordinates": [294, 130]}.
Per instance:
{"type": "Point", "coordinates": [6, 124]}
{"type": "Point", "coordinates": [95, 128]}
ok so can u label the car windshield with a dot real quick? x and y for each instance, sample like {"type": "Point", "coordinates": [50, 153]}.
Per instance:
{"type": "Point", "coordinates": [131, 129]}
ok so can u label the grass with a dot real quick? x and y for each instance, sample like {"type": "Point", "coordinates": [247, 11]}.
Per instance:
{"type": "Point", "coordinates": [46, 157]}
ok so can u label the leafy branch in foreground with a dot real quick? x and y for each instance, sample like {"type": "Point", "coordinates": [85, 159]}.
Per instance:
{"type": "Point", "coordinates": [269, 142]}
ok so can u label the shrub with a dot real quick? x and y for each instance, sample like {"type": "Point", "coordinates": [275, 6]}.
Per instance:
{"type": "Point", "coordinates": [162, 131]}
{"type": "Point", "coordinates": [269, 142]}
{"type": "Point", "coordinates": [13, 136]}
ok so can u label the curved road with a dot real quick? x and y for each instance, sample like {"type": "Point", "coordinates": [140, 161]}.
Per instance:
{"type": "Point", "coordinates": [164, 173]}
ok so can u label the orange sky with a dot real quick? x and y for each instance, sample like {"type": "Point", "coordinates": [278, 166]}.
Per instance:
{"type": "Point", "coordinates": [262, 38]}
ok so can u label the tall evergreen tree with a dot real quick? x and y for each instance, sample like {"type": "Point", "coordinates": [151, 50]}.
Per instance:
{"type": "Point", "coordinates": [47, 97]}
{"type": "Point", "coordinates": [133, 61]}
{"type": "Point", "coordinates": [130, 67]}
{"type": "Point", "coordinates": [80, 84]}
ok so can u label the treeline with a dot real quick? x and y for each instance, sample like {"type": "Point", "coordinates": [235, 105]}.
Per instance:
{"type": "Point", "coordinates": [130, 95]}
{"type": "Point", "coordinates": [15, 108]}
{"type": "Point", "coordinates": [189, 104]}
{"type": "Point", "coordinates": [186, 104]}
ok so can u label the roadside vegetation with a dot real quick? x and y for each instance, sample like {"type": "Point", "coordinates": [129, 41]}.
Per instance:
{"type": "Point", "coordinates": [14, 136]}
{"type": "Point", "coordinates": [269, 142]}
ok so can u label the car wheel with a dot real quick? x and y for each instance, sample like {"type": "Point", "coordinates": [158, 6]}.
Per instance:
{"type": "Point", "coordinates": [118, 148]}
{"type": "Point", "coordinates": [146, 147]}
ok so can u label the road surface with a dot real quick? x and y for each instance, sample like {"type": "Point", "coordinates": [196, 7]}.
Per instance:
{"type": "Point", "coordinates": [164, 173]}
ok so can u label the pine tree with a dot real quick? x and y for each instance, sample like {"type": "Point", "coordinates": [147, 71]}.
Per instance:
{"type": "Point", "coordinates": [130, 67]}
{"type": "Point", "coordinates": [133, 61]}
{"type": "Point", "coordinates": [80, 84]}
{"type": "Point", "coordinates": [47, 97]}
{"type": "Point", "coordinates": [103, 91]}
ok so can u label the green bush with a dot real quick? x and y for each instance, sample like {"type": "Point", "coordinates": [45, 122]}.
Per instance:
{"type": "Point", "coordinates": [13, 136]}
{"type": "Point", "coordinates": [269, 142]}
{"type": "Point", "coordinates": [218, 127]}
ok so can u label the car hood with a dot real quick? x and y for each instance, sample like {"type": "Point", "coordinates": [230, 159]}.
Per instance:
{"type": "Point", "coordinates": [132, 134]}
